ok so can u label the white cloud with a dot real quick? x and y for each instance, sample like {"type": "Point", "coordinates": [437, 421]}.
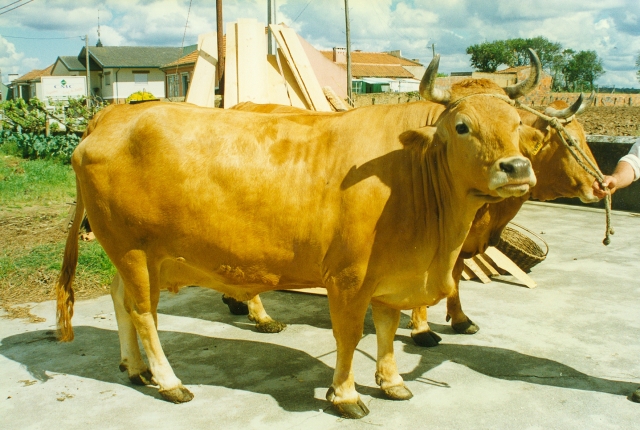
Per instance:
{"type": "Point", "coordinates": [12, 61]}
{"type": "Point", "coordinates": [610, 27]}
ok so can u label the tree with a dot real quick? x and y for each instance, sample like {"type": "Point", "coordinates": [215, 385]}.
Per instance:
{"type": "Point", "coordinates": [583, 68]}
{"type": "Point", "coordinates": [487, 56]}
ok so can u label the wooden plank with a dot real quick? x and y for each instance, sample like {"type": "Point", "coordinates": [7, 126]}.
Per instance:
{"type": "Point", "coordinates": [230, 68]}
{"type": "Point", "coordinates": [477, 271]}
{"type": "Point", "coordinates": [467, 274]}
{"type": "Point", "coordinates": [295, 94]}
{"type": "Point", "coordinates": [251, 50]}
{"type": "Point", "coordinates": [486, 265]}
{"type": "Point", "coordinates": [505, 263]}
{"type": "Point", "coordinates": [285, 55]}
{"type": "Point", "coordinates": [277, 86]}
{"type": "Point", "coordinates": [305, 71]}
{"type": "Point", "coordinates": [202, 90]}
{"type": "Point", "coordinates": [319, 291]}
{"type": "Point", "coordinates": [336, 102]}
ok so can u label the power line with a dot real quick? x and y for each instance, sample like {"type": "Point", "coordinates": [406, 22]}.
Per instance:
{"type": "Point", "coordinates": [4, 7]}
{"type": "Point", "coordinates": [303, 9]}
{"type": "Point", "coordinates": [20, 5]}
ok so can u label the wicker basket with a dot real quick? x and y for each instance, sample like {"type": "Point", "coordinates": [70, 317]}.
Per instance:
{"type": "Point", "coordinates": [521, 248]}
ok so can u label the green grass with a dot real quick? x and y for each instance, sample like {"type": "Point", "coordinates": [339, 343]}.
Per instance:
{"type": "Point", "coordinates": [92, 261]}
{"type": "Point", "coordinates": [34, 182]}
{"type": "Point", "coordinates": [33, 208]}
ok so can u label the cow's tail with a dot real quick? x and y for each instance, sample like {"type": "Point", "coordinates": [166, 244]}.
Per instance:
{"type": "Point", "coordinates": [64, 287]}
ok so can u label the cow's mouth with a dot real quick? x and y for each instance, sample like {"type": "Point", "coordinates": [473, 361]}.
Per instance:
{"type": "Point", "coordinates": [514, 189]}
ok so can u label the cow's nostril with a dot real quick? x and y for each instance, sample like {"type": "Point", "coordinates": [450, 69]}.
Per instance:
{"type": "Point", "coordinates": [507, 167]}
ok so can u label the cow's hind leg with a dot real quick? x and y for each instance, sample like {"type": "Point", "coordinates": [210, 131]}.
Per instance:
{"type": "Point", "coordinates": [347, 319]}
{"type": "Point", "coordinates": [386, 321]}
{"type": "Point", "coordinates": [131, 359]}
{"type": "Point", "coordinates": [264, 323]}
{"type": "Point", "coordinates": [143, 295]}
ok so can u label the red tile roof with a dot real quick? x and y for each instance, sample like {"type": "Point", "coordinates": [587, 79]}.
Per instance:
{"type": "Point", "coordinates": [35, 74]}
{"type": "Point", "coordinates": [374, 58]}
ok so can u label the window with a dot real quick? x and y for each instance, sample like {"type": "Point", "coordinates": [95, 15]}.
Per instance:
{"type": "Point", "coordinates": [185, 84]}
{"type": "Point", "coordinates": [107, 78]}
{"type": "Point", "coordinates": [172, 83]}
{"type": "Point", "coordinates": [141, 78]}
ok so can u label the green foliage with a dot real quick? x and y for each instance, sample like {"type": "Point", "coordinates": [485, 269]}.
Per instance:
{"type": "Point", "coordinates": [23, 116]}
{"type": "Point", "coordinates": [24, 127]}
{"type": "Point", "coordinates": [571, 70]}
{"type": "Point", "coordinates": [70, 115]}
{"type": "Point", "coordinates": [33, 146]}
{"type": "Point", "coordinates": [488, 56]}
{"type": "Point", "coordinates": [140, 95]}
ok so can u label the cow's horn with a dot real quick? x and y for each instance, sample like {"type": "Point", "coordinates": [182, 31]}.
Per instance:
{"type": "Point", "coordinates": [588, 102]}
{"type": "Point", "coordinates": [428, 88]}
{"type": "Point", "coordinates": [526, 86]}
{"type": "Point", "coordinates": [566, 112]}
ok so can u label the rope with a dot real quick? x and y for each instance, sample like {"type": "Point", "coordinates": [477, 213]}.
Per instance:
{"type": "Point", "coordinates": [571, 145]}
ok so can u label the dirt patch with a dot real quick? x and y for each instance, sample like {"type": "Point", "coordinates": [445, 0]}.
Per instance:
{"type": "Point", "coordinates": [30, 229]}
{"type": "Point", "coordinates": [612, 120]}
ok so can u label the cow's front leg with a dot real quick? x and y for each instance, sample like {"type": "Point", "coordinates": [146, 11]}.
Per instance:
{"type": "Point", "coordinates": [420, 331]}
{"type": "Point", "coordinates": [386, 321]}
{"type": "Point", "coordinates": [131, 359]}
{"type": "Point", "coordinates": [264, 323]}
{"type": "Point", "coordinates": [347, 320]}
{"type": "Point", "coordinates": [459, 321]}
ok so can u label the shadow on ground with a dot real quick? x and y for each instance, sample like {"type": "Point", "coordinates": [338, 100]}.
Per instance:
{"type": "Point", "coordinates": [288, 375]}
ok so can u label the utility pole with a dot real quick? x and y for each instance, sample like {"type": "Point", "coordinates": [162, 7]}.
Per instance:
{"type": "Point", "coordinates": [271, 19]}
{"type": "Point", "coordinates": [349, 89]}
{"type": "Point", "coordinates": [86, 49]}
{"type": "Point", "coordinates": [219, 24]}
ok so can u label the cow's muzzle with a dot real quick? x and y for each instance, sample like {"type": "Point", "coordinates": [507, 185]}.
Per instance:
{"type": "Point", "coordinates": [512, 177]}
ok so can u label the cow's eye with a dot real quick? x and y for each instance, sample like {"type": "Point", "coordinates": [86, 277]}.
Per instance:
{"type": "Point", "coordinates": [462, 128]}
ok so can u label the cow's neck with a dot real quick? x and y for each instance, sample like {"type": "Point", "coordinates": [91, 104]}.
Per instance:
{"type": "Point", "coordinates": [449, 210]}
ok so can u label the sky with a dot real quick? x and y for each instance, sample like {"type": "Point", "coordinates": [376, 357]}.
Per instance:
{"type": "Point", "coordinates": [33, 33]}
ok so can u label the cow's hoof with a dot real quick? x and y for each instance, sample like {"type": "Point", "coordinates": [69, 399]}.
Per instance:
{"type": "Point", "coordinates": [466, 327]}
{"type": "Point", "coordinates": [398, 392]}
{"type": "Point", "coordinates": [235, 307]}
{"type": "Point", "coordinates": [177, 395]}
{"type": "Point", "coordinates": [144, 378]}
{"type": "Point", "coordinates": [270, 327]}
{"type": "Point", "coordinates": [427, 339]}
{"type": "Point", "coordinates": [348, 410]}
{"type": "Point", "coordinates": [635, 397]}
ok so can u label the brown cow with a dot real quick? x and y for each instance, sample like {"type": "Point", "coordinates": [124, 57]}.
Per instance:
{"type": "Point", "coordinates": [243, 203]}
{"type": "Point", "coordinates": [559, 175]}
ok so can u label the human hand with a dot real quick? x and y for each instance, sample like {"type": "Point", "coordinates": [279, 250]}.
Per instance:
{"type": "Point", "coordinates": [608, 186]}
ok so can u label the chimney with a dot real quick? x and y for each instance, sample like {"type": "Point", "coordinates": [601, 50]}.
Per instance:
{"type": "Point", "coordinates": [395, 53]}
{"type": "Point", "coordinates": [340, 55]}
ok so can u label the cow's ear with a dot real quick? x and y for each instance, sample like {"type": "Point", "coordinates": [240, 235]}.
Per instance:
{"type": "Point", "coordinates": [421, 136]}
{"type": "Point", "coordinates": [531, 140]}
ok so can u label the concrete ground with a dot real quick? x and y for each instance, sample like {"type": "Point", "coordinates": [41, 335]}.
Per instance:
{"type": "Point", "coordinates": [564, 355]}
